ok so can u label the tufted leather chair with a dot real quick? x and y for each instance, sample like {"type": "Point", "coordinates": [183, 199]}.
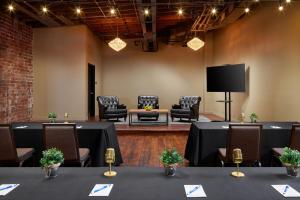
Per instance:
{"type": "Point", "coordinates": [188, 108]}
{"type": "Point", "coordinates": [109, 108]}
{"type": "Point", "coordinates": [148, 101]}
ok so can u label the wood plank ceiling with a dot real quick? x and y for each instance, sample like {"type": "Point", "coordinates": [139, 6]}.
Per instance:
{"type": "Point", "coordinates": [129, 20]}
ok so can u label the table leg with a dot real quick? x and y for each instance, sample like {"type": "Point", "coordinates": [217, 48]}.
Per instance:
{"type": "Point", "coordinates": [167, 118]}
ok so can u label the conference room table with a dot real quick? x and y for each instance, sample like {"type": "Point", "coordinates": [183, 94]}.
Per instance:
{"type": "Point", "coordinates": [136, 183]}
{"type": "Point", "coordinates": [206, 137]}
{"type": "Point", "coordinates": [97, 136]}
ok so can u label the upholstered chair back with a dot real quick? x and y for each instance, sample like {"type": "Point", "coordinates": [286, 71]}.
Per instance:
{"type": "Point", "coordinates": [245, 137]}
{"type": "Point", "coordinates": [186, 102]}
{"type": "Point", "coordinates": [64, 137]}
{"type": "Point", "coordinates": [8, 152]}
{"type": "Point", "coordinates": [295, 137]}
{"type": "Point", "coordinates": [148, 101]}
{"type": "Point", "coordinates": [110, 102]}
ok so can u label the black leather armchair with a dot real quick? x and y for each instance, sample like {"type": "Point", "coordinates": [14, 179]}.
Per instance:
{"type": "Point", "coordinates": [109, 108]}
{"type": "Point", "coordinates": [188, 108]}
{"type": "Point", "coordinates": [148, 101]}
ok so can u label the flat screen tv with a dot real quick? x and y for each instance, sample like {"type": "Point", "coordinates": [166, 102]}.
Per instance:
{"type": "Point", "coordinates": [226, 78]}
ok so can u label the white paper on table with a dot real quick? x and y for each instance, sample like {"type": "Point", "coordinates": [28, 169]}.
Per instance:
{"type": "Point", "coordinates": [276, 127]}
{"type": "Point", "coordinates": [78, 127]}
{"type": "Point", "coordinates": [194, 191]}
{"type": "Point", "coordinates": [22, 127]}
{"type": "Point", "coordinates": [7, 188]}
{"type": "Point", "coordinates": [225, 126]}
{"type": "Point", "coordinates": [286, 190]}
{"type": "Point", "coordinates": [101, 190]}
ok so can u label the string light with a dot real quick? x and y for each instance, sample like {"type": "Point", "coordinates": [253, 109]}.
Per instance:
{"type": "Point", "coordinates": [112, 11]}
{"type": "Point", "coordinates": [11, 8]}
{"type": "Point", "coordinates": [280, 8]}
{"type": "Point", "coordinates": [256, 0]}
{"type": "Point", "coordinates": [247, 10]}
{"type": "Point", "coordinates": [44, 9]}
{"type": "Point", "coordinates": [180, 11]}
{"type": "Point", "coordinates": [214, 11]}
{"type": "Point", "coordinates": [78, 10]}
{"type": "Point", "coordinates": [146, 11]}
{"type": "Point", "coordinates": [288, 1]}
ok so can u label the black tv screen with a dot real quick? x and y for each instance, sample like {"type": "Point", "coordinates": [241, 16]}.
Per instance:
{"type": "Point", "coordinates": [227, 78]}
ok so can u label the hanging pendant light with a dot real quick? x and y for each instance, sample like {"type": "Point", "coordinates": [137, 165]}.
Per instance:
{"type": "Point", "coordinates": [117, 44]}
{"type": "Point", "coordinates": [195, 43]}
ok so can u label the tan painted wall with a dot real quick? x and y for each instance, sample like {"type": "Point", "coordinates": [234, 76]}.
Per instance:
{"type": "Point", "coordinates": [169, 73]}
{"type": "Point", "coordinates": [268, 43]}
{"type": "Point", "coordinates": [60, 70]}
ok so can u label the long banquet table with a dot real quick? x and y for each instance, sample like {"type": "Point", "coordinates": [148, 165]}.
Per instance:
{"type": "Point", "coordinates": [136, 183]}
{"type": "Point", "coordinates": [206, 137]}
{"type": "Point", "coordinates": [97, 136]}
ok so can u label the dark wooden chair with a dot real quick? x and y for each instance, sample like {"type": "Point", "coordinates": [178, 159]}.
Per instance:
{"type": "Point", "coordinates": [63, 136]}
{"type": "Point", "coordinates": [294, 141]}
{"type": "Point", "coordinates": [245, 137]}
{"type": "Point", "coordinates": [9, 154]}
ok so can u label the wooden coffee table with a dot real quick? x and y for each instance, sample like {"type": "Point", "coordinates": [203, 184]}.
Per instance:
{"type": "Point", "coordinates": [136, 111]}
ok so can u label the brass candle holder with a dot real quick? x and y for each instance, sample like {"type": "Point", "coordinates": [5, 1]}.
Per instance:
{"type": "Point", "coordinates": [237, 158]}
{"type": "Point", "coordinates": [66, 116]}
{"type": "Point", "coordinates": [110, 159]}
{"type": "Point", "coordinates": [243, 118]}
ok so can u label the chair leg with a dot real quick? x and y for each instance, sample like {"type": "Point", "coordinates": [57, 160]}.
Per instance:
{"type": "Point", "coordinates": [172, 119]}
{"type": "Point", "coordinates": [125, 118]}
{"type": "Point", "coordinates": [222, 163]}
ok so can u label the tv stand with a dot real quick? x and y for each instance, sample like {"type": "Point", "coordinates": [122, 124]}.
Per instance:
{"type": "Point", "coordinates": [227, 103]}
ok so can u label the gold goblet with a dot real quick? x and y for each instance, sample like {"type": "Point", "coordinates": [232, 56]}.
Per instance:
{"type": "Point", "coordinates": [237, 158]}
{"type": "Point", "coordinates": [110, 159]}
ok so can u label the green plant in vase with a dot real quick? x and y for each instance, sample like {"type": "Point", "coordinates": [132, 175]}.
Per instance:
{"type": "Point", "coordinates": [51, 160]}
{"type": "Point", "coordinates": [253, 117]}
{"type": "Point", "coordinates": [291, 160]}
{"type": "Point", "coordinates": [170, 159]}
{"type": "Point", "coordinates": [52, 117]}
{"type": "Point", "coordinates": [148, 108]}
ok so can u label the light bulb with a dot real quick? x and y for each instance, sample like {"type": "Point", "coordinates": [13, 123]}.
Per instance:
{"type": "Point", "coordinates": [180, 11]}
{"type": "Point", "coordinates": [44, 9]}
{"type": "Point", "coordinates": [288, 1]}
{"type": "Point", "coordinates": [10, 8]}
{"type": "Point", "coordinates": [78, 11]}
{"type": "Point", "coordinates": [280, 8]}
{"type": "Point", "coordinates": [112, 11]}
{"type": "Point", "coordinates": [214, 11]}
{"type": "Point", "coordinates": [146, 11]}
{"type": "Point", "coordinates": [247, 10]}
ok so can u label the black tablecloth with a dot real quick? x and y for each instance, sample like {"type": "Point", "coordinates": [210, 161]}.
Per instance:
{"type": "Point", "coordinates": [97, 136]}
{"type": "Point", "coordinates": [146, 183]}
{"type": "Point", "coordinates": [206, 137]}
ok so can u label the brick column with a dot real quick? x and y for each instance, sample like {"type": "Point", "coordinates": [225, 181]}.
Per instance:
{"type": "Point", "coordinates": [16, 70]}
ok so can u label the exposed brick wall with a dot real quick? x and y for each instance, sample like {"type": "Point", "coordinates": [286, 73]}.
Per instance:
{"type": "Point", "coordinates": [16, 70]}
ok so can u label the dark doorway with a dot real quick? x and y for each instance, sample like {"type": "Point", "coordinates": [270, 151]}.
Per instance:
{"type": "Point", "coordinates": [91, 90]}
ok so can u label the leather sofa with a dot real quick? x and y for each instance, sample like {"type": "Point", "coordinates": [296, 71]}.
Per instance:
{"type": "Point", "coordinates": [148, 101]}
{"type": "Point", "coordinates": [188, 107]}
{"type": "Point", "coordinates": [109, 108]}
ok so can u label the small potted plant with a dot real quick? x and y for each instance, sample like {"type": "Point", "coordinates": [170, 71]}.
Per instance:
{"type": "Point", "coordinates": [52, 117]}
{"type": "Point", "coordinates": [291, 160]}
{"type": "Point", "coordinates": [170, 159]}
{"type": "Point", "coordinates": [50, 162]}
{"type": "Point", "coordinates": [148, 108]}
{"type": "Point", "coordinates": [253, 117]}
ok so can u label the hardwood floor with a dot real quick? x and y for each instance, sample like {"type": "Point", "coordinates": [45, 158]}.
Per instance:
{"type": "Point", "coordinates": [142, 145]}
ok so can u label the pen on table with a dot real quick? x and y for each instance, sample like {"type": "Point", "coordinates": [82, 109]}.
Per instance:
{"type": "Point", "coordinates": [285, 189]}
{"type": "Point", "coordinates": [7, 187]}
{"type": "Point", "coordinates": [102, 188]}
{"type": "Point", "coordinates": [193, 190]}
